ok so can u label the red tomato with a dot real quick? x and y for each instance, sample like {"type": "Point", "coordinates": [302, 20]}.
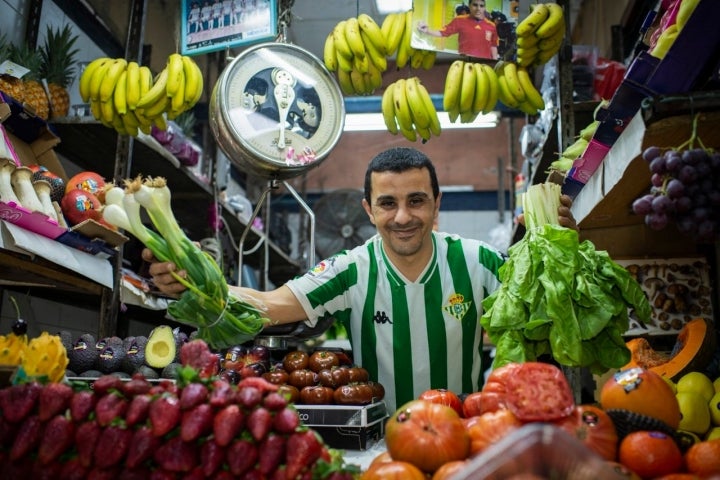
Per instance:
{"type": "Point", "coordinates": [497, 379]}
{"type": "Point", "coordinates": [490, 428]}
{"type": "Point", "coordinates": [393, 470]}
{"type": "Point", "coordinates": [443, 397]}
{"type": "Point", "coordinates": [593, 427]}
{"type": "Point", "coordinates": [427, 435]}
{"type": "Point", "coordinates": [316, 395]}
{"type": "Point", "coordinates": [539, 392]}
{"type": "Point", "coordinates": [449, 470]}
{"type": "Point", "coordinates": [482, 402]}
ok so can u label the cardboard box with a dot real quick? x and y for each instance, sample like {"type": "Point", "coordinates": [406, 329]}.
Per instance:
{"type": "Point", "coordinates": [352, 438]}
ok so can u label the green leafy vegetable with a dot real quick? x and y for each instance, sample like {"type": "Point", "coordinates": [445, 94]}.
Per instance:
{"type": "Point", "coordinates": [559, 296]}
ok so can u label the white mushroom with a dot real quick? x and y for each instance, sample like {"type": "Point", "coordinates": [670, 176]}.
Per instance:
{"type": "Point", "coordinates": [7, 194]}
{"type": "Point", "coordinates": [21, 180]}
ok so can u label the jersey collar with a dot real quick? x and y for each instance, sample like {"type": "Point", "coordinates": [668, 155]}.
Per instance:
{"type": "Point", "coordinates": [397, 278]}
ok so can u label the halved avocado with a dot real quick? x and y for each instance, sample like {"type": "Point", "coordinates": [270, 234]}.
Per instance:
{"type": "Point", "coordinates": [160, 348]}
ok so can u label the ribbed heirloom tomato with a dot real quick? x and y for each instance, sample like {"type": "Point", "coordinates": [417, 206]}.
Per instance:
{"type": "Point", "coordinates": [593, 427]}
{"type": "Point", "coordinates": [393, 470]}
{"type": "Point", "coordinates": [443, 397]}
{"type": "Point", "coordinates": [490, 428]}
{"type": "Point", "coordinates": [427, 435]}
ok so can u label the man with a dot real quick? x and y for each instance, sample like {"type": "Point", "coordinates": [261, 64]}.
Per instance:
{"type": "Point", "coordinates": [409, 298]}
{"type": "Point", "coordinates": [477, 36]}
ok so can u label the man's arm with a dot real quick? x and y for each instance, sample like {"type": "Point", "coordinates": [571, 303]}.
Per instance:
{"type": "Point", "coordinates": [280, 305]}
{"type": "Point", "coordinates": [423, 28]}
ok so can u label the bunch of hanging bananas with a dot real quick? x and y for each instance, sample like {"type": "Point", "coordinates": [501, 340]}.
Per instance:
{"type": "Point", "coordinates": [397, 28]}
{"type": "Point", "coordinates": [516, 89]}
{"type": "Point", "coordinates": [123, 95]}
{"type": "Point", "coordinates": [540, 34]}
{"type": "Point", "coordinates": [408, 109]}
{"type": "Point", "coordinates": [470, 89]}
{"type": "Point", "coordinates": [356, 51]}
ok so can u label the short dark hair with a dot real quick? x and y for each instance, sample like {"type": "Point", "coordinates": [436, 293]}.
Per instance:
{"type": "Point", "coordinates": [400, 159]}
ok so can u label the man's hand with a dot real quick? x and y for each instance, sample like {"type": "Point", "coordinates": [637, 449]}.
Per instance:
{"type": "Point", "coordinates": [162, 277]}
{"type": "Point", "coordinates": [565, 216]}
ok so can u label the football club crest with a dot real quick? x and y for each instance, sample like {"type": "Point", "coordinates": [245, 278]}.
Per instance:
{"type": "Point", "coordinates": [457, 307]}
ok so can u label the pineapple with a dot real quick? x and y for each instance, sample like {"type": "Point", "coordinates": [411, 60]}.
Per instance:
{"type": "Point", "coordinates": [8, 84]}
{"type": "Point", "coordinates": [33, 92]}
{"type": "Point", "coordinates": [58, 60]}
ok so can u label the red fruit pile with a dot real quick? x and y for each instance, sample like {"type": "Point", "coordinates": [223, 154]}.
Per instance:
{"type": "Point", "coordinates": [201, 428]}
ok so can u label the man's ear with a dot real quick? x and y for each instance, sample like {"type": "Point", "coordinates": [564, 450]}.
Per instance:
{"type": "Point", "coordinates": [368, 210]}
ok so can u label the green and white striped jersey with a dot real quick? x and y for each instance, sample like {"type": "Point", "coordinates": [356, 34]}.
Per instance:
{"type": "Point", "coordinates": [410, 336]}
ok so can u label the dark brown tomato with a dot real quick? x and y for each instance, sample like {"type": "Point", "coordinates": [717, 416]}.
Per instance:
{"type": "Point", "coordinates": [276, 376]}
{"type": "Point", "coordinates": [291, 393]}
{"type": "Point", "coordinates": [334, 377]}
{"type": "Point", "coordinates": [378, 391]}
{"type": "Point", "coordinates": [353, 394]}
{"type": "Point", "coordinates": [316, 395]}
{"type": "Point", "coordinates": [295, 360]}
{"type": "Point", "coordinates": [322, 359]}
{"type": "Point", "coordinates": [303, 378]}
{"type": "Point", "coordinates": [358, 374]}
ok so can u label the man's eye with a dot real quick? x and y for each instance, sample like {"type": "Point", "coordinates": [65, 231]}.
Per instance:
{"type": "Point", "coordinates": [417, 201]}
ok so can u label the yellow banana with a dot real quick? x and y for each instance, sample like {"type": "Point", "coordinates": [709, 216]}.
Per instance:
{"type": "Point", "coordinates": [354, 40]}
{"type": "Point", "coordinates": [385, 28]}
{"type": "Point", "coordinates": [526, 108]}
{"type": "Point", "coordinates": [175, 74]}
{"type": "Point", "coordinates": [375, 77]}
{"type": "Point", "coordinates": [118, 124]}
{"type": "Point", "coordinates": [132, 85]}
{"type": "Point", "coordinates": [158, 89]}
{"type": "Point", "coordinates": [142, 120]}
{"type": "Point", "coordinates": [345, 64]}
{"type": "Point", "coordinates": [435, 127]}
{"type": "Point", "coordinates": [358, 82]}
{"type": "Point", "coordinates": [492, 88]}
{"type": "Point", "coordinates": [409, 133]}
{"type": "Point", "coordinates": [482, 84]}
{"type": "Point", "coordinates": [372, 31]}
{"type": "Point", "coordinates": [468, 117]}
{"type": "Point", "coordinates": [387, 107]}
{"type": "Point", "coordinates": [403, 55]}
{"type": "Point", "coordinates": [504, 94]}
{"type": "Point", "coordinates": [402, 109]}
{"type": "Point", "coordinates": [424, 133]}
{"type": "Point", "coordinates": [453, 114]}
{"type": "Point", "coordinates": [107, 87]}
{"type": "Point", "coordinates": [120, 94]}
{"type": "Point", "coordinates": [527, 41]}
{"type": "Point", "coordinates": [177, 101]}
{"type": "Point", "coordinates": [511, 75]}
{"type": "Point", "coordinates": [416, 59]}
{"type": "Point", "coordinates": [157, 108]}
{"type": "Point", "coordinates": [95, 109]}
{"type": "Point", "coordinates": [376, 57]}
{"type": "Point", "coordinates": [97, 79]}
{"type": "Point", "coordinates": [530, 24]}
{"type": "Point", "coordinates": [146, 80]}
{"type": "Point", "coordinates": [467, 88]}
{"type": "Point", "coordinates": [361, 64]}
{"type": "Point", "coordinates": [526, 56]}
{"type": "Point", "coordinates": [86, 77]}
{"type": "Point", "coordinates": [543, 57]}
{"type": "Point", "coordinates": [532, 95]}
{"type": "Point", "coordinates": [130, 123]}
{"type": "Point", "coordinates": [160, 122]}
{"type": "Point", "coordinates": [554, 21]}
{"type": "Point", "coordinates": [396, 33]}
{"type": "Point", "coordinates": [193, 82]}
{"type": "Point", "coordinates": [345, 82]}
{"type": "Point", "coordinates": [453, 82]}
{"type": "Point", "coordinates": [329, 53]}
{"type": "Point", "coordinates": [341, 44]}
{"type": "Point", "coordinates": [429, 59]}
{"type": "Point", "coordinates": [552, 43]}
{"type": "Point", "coordinates": [419, 115]}
{"type": "Point", "coordinates": [107, 111]}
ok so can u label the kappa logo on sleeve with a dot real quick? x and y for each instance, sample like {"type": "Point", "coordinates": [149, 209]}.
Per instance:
{"type": "Point", "coordinates": [457, 307]}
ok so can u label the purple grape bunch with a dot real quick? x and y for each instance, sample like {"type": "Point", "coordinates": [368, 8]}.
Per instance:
{"type": "Point", "coordinates": [685, 190]}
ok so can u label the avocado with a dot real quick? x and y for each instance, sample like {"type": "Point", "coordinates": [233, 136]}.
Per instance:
{"type": "Point", "coordinates": [123, 375]}
{"type": "Point", "coordinates": [134, 355]}
{"type": "Point", "coordinates": [104, 342]}
{"type": "Point", "coordinates": [83, 354]}
{"type": "Point", "coordinates": [127, 341]}
{"type": "Point", "coordinates": [181, 338]}
{"type": "Point", "coordinates": [66, 339]}
{"type": "Point", "coordinates": [160, 349]}
{"type": "Point", "coordinates": [110, 358]}
{"type": "Point", "coordinates": [91, 374]}
{"type": "Point", "coordinates": [170, 371]}
{"type": "Point", "coordinates": [147, 372]}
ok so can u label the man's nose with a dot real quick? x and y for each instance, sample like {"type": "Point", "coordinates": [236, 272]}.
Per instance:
{"type": "Point", "coordinates": [403, 213]}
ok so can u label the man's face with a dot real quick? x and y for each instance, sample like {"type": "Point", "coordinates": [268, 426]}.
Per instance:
{"type": "Point", "coordinates": [477, 8]}
{"type": "Point", "coordinates": [403, 210]}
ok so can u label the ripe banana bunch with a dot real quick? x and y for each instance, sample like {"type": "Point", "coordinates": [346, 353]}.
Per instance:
{"type": "Point", "coordinates": [470, 89]}
{"type": "Point", "coordinates": [516, 89]}
{"type": "Point", "coordinates": [123, 95]}
{"type": "Point", "coordinates": [397, 28]}
{"type": "Point", "coordinates": [408, 109]}
{"type": "Point", "coordinates": [355, 50]}
{"type": "Point", "coordinates": [540, 34]}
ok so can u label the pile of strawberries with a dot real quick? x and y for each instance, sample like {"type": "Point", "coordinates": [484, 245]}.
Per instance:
{"type": "Point", "coordinates": [197, 427]}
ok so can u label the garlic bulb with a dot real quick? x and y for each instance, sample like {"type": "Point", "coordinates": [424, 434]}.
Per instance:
{"type": "Point", "coordinates": [21, 180]}
{"type": "Point", "coordinates": [7, 194]}
{"type": "Point", "coordinates": [43, 190]}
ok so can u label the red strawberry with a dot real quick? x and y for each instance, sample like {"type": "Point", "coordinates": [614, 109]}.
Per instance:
{"type": "Point", "coordinates": [136, 386]}
{"type": "Point", "coordinates": [286, 420]}
{"type": "Point", "coordinates": [279, 474]}
{"type": "Point", "coordinates": [164, 414]}
{"type": "Point", "coordinates": [54, 399]}
{"type": "Point", "coordinates": [212, 457]}
{"type": "Point", "coordinates": [227, 424]}
{"type": "Point", "coordinates": [194, 474]}
{"type": "Point", "coordinates": [142, 447]}
{"type": "Point", "coordinates": [86, 438]}
{"type": "Point", "coordinates": [241, 456]}
{"type": "Point", "coordinates": [104, 384]}
{"type": "Point", "coordinates": [272, 453]}
{"type": "Point", "coordinates": [82, 403]}
{"type": "Point", "coordinates": [138, 409]}
{"type": "Point", "coordinates": [254, 474]}
{"type": "Point", "coordinates": [193, 394]}
{"type": "Point", "coordinates": [50, 471]}
{"type": "Point", "coordinates": [73, 470]}
{"type": "Point", "coordinates": [249, 397]}
{"type": "Point", "coordinates": [274, 401]}
{"type": "Point", "coordinates": [175, 455]}
{"type": "Point", "coordinates": [112, 446]}
{"type": "Point", "coordinates": [58, 436]}
{"type": "Point", "coordinates": [259, 422]}
{"type": "Point", "coordinates": [134, 474]}
{"type": "Point", "coordinates": [98, 473]}
{"type": "Point", "coordinates": [303, 449]}
{"type": "Point", "coordinates": [109, 407]}
{"type": "Point", "coordinates": [160, 474]}
{"type": "Point", "coordinates": [197, 354]}
{"type": "Point", "coordinates": [258, 382]}
{"type": "Point", "coordinates": [224, 475]}
{"type": "Point", "coordinates": [27, 438]}
{"type": "Point", "coordinates": [222, 393]}
{"type": "Point", "coordinates": [18, 401]}
{"type": "Point", "coordinates": [7, 433]}
{"type": "Point", "coordinates": [196, 422]}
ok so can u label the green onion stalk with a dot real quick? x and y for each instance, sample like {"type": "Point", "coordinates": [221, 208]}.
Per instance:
{"type": "Point", "coordinates": [221, 318]}
{"type": "Point", "coordinates": [559, 296]}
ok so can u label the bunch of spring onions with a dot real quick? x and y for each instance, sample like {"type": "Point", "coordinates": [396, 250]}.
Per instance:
{"type": "Point", "coordinates": [221, 318]}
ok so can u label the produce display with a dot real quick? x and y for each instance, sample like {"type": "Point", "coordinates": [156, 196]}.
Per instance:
{"type": "Point", "coordinates": [407, 108]}
{"type": "Point", "coordinates": [470, 89]}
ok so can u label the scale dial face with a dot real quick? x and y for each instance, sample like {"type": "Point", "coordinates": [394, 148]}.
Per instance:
{"type": "Point", "coordinates": [277, 108]}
